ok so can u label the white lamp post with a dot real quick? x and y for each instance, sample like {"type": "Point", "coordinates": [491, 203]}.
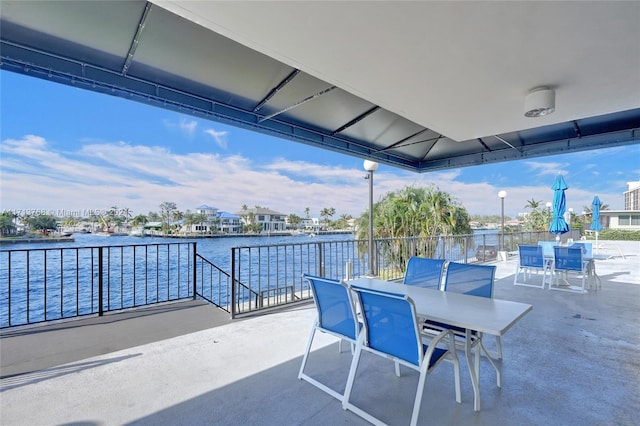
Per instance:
{"type": "Point", "coordinates": [501, 195]}
{"type": "Point", "coordinates": [568, 216]}
{"type": "Point", "coordinates": [370, 166]}
{"type": "Point", "coordinates": [548, 213]}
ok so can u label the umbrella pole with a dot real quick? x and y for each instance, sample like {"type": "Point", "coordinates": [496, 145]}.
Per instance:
{"type": "Point", "coordinates": [597, 242]}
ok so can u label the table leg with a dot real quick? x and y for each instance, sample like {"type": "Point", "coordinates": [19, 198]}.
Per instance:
{"type": "Point", "coordinates": [593, 277]}
{"type": "Point", "coordinates": [473, 372]}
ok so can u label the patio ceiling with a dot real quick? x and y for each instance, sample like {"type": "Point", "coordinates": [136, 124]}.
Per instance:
{"type": "Point", "coordinates": [419, 85]}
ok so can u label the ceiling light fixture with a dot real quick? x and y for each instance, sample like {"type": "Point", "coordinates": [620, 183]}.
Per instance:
{"type": "Point", "coordinates": [539, 102]}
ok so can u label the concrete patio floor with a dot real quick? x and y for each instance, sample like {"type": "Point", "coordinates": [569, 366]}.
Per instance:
{"type": "Point", "coordinates": [574, 360]}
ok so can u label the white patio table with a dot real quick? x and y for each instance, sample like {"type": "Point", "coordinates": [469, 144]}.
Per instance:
{"type": "Point", "coordinates": [473, 313]}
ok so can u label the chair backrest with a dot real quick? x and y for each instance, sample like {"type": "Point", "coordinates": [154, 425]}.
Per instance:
{"type": "Point", "coordinates": [547, 247]}
{"type": "Point", "coordinates": [587, 248]}
{"type": "Point", "coordinates": [567, 258]}
{"type": "Point", "coordinates": [390, 324]}
{"type": "Point", "coordinates": [424, 272]}
{"type": "Point", "coordinates": [336, 311]}
{"type": "Point", "coordinates": [476, 280]}
{"type": "Point", "coordinates": [531, 256]}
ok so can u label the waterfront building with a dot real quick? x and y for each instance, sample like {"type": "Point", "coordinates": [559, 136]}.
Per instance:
{"type": "Point", "coordinates": [311, 224]}
{"type": "Point", "coordinates": [270, 220]}
{"type": "Point", "coordinates": [632, 196]}
{"type": "Point", "coordinates": [209, 225]}
{"type": "Point", "coordinates": [229, 223]}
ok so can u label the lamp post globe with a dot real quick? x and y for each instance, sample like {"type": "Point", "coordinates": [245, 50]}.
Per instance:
{"type": "Point", "coordinates": [370, 167]}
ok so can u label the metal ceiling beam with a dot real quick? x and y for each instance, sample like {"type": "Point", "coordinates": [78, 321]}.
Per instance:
{"type": "Point", "coordinates": [136, 38]}
{"type": "Point", "coordinates": [356, 120]}
{"type": "Point", "coordinates": [276, 89]}
{"type": "Point", "coordinates": [505, 142]}
{"type": "Point", "coordinates": [297, 104]}
{"type": "Point", "coordinates": [400, 142]}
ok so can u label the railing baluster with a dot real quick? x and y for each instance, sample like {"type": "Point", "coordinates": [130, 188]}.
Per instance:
{"type": "Point", "coordinates": [9, 288]}
{"type": "Point", "coordinates": [100, 282]}
{"type": "Point", "coordinates": [61, 284]}
{"type": "Point", "coordinates": [45, 285]}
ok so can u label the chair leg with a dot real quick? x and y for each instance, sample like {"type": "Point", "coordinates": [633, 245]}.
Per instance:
{"type": "Point", "coordinates": [306, 352]}
{"type": "Point", "coordinates": [419, 391]}
{"type": "Point", "coordinates": [352, 373]}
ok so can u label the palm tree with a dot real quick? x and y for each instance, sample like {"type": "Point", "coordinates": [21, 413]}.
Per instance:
{"type": "Point", "coordinates": [533, 204]}
{"type": "Point", "coordinates": [538, 219]}
{"type": "Point", "coordinates": [326, 213]}
{"type": "Point", "coordinates": [139, 220]}
{"type": "Point", "coordinates": [414, 212]}
{"type": "Point", "coordinates": [167, 208]}
{"type": "Point", "coordinates": [7, 225]}
{"type": "Point", "coordinates": [294, 220]}
{"type": "Point", "coordinates": [588, 209]}
{"type": "Point", "coordinates": [127, 214]}
{"type": "Point", "coordinates": [201, 218]}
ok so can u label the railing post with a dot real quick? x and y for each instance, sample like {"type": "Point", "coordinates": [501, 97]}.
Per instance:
{"type": "Point", "coordinates": [100, 282]}
{"type": "Point", "coordinates": [465, 249]}
{"type": "Point", "coordinates": [320, 260]}
{"type": "Point", "coordinates": [195, 271]}
{"type": "Point", "coordinates": [232, 303]}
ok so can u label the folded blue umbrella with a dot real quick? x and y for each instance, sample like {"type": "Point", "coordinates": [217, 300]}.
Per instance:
{"type": "Point", "coordinates": [595, 217]}
{"type": "Point", "coordinates": [558, 225]}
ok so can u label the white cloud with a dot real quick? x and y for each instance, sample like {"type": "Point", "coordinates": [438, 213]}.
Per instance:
{"type": "Point", "coordinates": [548, 168]}
{"type": "Point", "coordinates": [140, 177]}
{"type": "Point", "coordinates": [99, 175]}
{"type": "Point", "coordinates": [220, 138]}
{"type": "Point", "coordinates": [186, 127]}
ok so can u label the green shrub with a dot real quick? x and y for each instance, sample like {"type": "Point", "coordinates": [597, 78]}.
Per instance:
{"type": "Point", "coordinates": [617, 235]}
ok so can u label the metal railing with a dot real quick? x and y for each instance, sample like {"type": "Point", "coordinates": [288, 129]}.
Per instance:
{"type": "Point", "coordinates": [271, 275]}
{"type": "Point", "coordinates": [38, 285]}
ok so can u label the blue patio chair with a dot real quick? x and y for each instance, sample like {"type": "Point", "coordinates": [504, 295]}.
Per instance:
{"type": "Point", "coordinates": [391, 330]}
{"type": "Point", "coordinates": [424, 272]}
{"type": "Point", "coordinates": [547, 248]}
{"type": "Point", "coordinates": [565, 261]}
{"type": "Point", "coordinates": [530, 259]}
{"type": "Point", "coordinates": [336, 315]}
{"type": "Point", "coordinates": [587, 248]}
{"type": "Point", "coordinates": [467, 278]}
{"type": "Point", "coordinates": [475, 280]}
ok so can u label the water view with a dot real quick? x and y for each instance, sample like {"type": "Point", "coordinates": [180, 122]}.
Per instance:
{"type": "Point", "coordinates": [95, 274]}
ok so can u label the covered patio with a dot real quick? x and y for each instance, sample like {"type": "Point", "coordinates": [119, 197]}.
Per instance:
{"type": "Point", "coordinates": [423, 86]}
{"type": "Point", "coordinates": [572, 361]}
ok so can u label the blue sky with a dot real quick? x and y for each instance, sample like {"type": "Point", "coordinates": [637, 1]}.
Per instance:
{"type": "Point", "coordinates": [68, 149]}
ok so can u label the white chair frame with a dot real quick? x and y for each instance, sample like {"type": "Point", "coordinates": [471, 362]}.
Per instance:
{"type": "Point", "coordinates": [525, 268]}
{"type": "Point", "coordinates": [423, 368]}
